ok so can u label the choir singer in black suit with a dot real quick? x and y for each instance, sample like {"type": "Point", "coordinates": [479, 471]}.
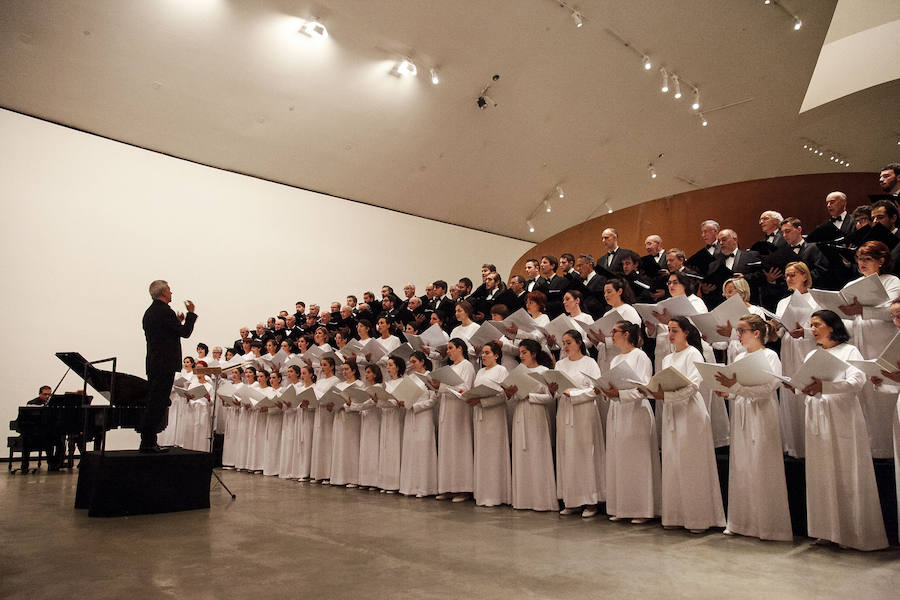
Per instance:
{"type": "Point", "coordinates": [163, 330]}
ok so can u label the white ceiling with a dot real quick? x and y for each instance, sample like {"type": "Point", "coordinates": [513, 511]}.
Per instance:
{"type": "Point", "coordinates": [231, 84]}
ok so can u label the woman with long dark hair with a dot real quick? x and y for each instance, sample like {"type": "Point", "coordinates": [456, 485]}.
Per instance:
{"type": "Point", "coordinates": [691, 497]}
{"type": "Point", "coordinates": [633, 477]}
{"type": "Point", "coordinates": [391, 434]}
{"type": "Point", "coordinates": [842, 502]}
{"type": "Point", "coordinates": [757, 493]}
{"type": "Point", "coordinates": [492, 462]}
{"type": "Point", "coordinates": [456, 477]}
{"type": "Point", "coordinates": [871, 331]}
{"type": "Point", "coordinates": [533, 481]}
{"type": "Point", "coordinates": [418, 466]}
{"type": "Point", "coordinates": [323, 425]}
{"type": "Point", "coordinates": [580, 448]}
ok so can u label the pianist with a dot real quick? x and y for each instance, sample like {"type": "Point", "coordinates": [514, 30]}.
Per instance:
{"type": "Point", "coordinates": [43, 396]}
{"type": "Point", "coordinates": [163, 330]}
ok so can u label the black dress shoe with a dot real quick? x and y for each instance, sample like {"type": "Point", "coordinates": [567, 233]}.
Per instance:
{"type": "Point", "coordinates": [154, 449]}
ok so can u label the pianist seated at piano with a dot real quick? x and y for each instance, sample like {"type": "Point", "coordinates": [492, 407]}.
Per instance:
{"type": "Point", "coordinates": [43, 396]}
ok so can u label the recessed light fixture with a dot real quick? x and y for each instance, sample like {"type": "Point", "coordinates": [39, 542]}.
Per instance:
{"type": "Point", "coordinates": [407, 67]}
{"type": "Point", "coordinates": [314, 29]}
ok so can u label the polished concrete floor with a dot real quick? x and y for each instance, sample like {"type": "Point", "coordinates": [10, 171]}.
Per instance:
{"type": "Point", "coordinates": [283, 539]}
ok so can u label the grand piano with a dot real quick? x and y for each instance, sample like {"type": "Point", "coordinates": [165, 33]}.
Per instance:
{"type": "Point", "coordinates": [73, 417]}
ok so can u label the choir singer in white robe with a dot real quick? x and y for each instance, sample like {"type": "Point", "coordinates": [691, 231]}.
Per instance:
{"type": "Point", "coordinates": [842, 502]}
{"type": "Point", "coordinates": [691, 496]}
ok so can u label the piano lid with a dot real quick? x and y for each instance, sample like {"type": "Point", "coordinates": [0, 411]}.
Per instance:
{"type": "Point", "coordinates": [130, 389]}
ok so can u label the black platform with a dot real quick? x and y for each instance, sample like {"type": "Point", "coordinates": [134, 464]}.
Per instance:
{"type": "Point", "coordinates": [126, 482]}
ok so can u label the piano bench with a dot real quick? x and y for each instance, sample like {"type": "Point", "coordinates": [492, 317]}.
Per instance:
{"type": "Point", "coordinates": [17, 444]}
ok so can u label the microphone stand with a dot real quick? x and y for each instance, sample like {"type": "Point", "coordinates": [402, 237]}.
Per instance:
{"type": "Point", "coordinates": [215, 372]}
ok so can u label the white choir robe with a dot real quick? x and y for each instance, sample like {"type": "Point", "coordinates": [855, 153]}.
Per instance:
{"type": "Point", "coordinates": [663, 346]}
{"type": "Point", "coordinates": [607, 350]}
{"type": "Point", "coordinates": [896, 426]}
{"type": "Point", "coordinates": [455, 445]}
{"type": "Point", "coordinates": [418, 461]}
{"type": "Point", "coordinates": [633, 472]}
{"type": "Point", "coordinates": [322, 434]}
{"type": "Point", "coordinates": [172, 435]}
{"type": "Point", "coordinates": [272, 456]}
{"type": "Point", "coordinates": [390, 440]}
{"type": "Point", "coordinates": [542, 320]}
{"type": "Point", "coordinates": [288, 449]}
{"type": "Point", "coordinates": [197, 423]}
{"type": "Point", "coordinates": [870, 333]}
{"type": "Point", "coordinates": [345, 442]}
{"type": "Point", "coordinates": [303, 438]}
{"type": "Point", "coordinates": [369, 441]}
{"type": "Point", "coordinates": [465, 332]}
{"type": "Point", "coordinates": [691, 496]}
{"type": "Point", "coordinates": [243, 438]}
{"type": "Point", "coordinates": [580, 447]}
{"type": "Point", "coordinates": [757, 490]}
{"type": "Point", "coordinates": [231, 442]}
{"type": "Point", "coordinates": [842, 502]}
{"type": "Point", "coordinates": [493, 474]}
{"type": "Point", "coordinates": [792, 408]}
{"type": "Point", "coordinates": [390, 343]}
{"type": "Point", "coordinates": [533, 481]}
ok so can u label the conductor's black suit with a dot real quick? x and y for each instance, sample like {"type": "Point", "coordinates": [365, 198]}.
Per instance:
{"type": "Point", "coordinates": [163, 331]}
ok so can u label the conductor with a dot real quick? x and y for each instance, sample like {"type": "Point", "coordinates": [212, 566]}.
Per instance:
{"type": "Point", "coordinates": [163, 330]}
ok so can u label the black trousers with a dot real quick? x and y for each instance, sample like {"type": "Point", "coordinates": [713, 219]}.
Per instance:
{"type": "Point", "coordinates": [157, 411]}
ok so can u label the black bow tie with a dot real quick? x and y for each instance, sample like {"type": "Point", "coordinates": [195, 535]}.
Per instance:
{"type": "Point", "coordinates": [797, 247]}
{"type": "Point", "coordinates": [729, 255]}
{"type": "Point", "coordinates": [836, 219]}
{"type": "Point", "coordinates": [708, 246]}
{"type": "Point", "coordinates": [611, 252]}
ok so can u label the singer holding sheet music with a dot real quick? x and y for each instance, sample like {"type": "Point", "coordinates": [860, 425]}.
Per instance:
{"type": "Point", "coordinates": [691, 497]}
{"type": "Point", "coordinates": [757, 492]}
{"type": "Point", "coordinates": [842, 502]}
{"type": "Point", "coordinates": [870, 331]}
{"type": "Point", "coordinates": [163, 330]}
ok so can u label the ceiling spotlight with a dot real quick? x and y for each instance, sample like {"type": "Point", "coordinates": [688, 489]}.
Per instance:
{"type": "Point", "coordinates": [608, 207]}
{"type": "Point", "coordinates": [647, 64]}
{"type": "Point", "coordinates": [434, 77]}
{"type": "Point", "coordinates": [846, 164]}
{"type": "Point", "coordinates": [579, 20]}
{"type": "Point", "coordinates": [314, 29]}
{"type": "Point", "coordinates": [676, 86]}
{"type": "Point", "coordinates": [767, 2]}
{"type": "Point", "coordinates": [547, 206]}
{"type": "Point", "coordinates": [530, 225]}
{"type": "Point", "coordinates": [703, 120]}
{"type": "Point", "coordinates": [805, 146]}
{"type": "Point", "coordinates": [797, 23]}
{"type": "Point", "coordinates": [664, 88]}
{"type": "Point", "coordinates": [696, 104]}
{"type": "Point", "coordinates": [560, 192]}
{"type": "Point", "coordinates": [652, 171]}
{"type": "Point", "coordinates": [407, 67]}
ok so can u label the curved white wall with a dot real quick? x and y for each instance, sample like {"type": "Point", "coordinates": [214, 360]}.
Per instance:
{"type": "Point", "coordinates": [88, 223]}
